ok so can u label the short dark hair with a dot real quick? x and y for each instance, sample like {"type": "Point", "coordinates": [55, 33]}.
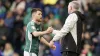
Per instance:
{"type": "Point", "coordinates": [35, 10]}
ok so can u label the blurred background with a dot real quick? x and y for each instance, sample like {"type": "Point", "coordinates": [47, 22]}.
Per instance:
{"type": "Point", "coordinates": [15, 14]}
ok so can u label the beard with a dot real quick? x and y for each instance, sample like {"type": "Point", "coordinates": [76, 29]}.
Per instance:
{"type": "Point", "coordinates": [39, 20]}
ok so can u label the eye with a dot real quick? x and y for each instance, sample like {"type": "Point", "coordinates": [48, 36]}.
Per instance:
{"type": "Point", "coordinates": [40, 14]}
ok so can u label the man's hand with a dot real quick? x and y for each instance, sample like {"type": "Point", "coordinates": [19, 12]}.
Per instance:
{"type": "Point", "coordinates": [49, 30]}
{"type": "Point", "coordinates": [51, 42]}
{"type": "Point", "coordinates": [51, 45]}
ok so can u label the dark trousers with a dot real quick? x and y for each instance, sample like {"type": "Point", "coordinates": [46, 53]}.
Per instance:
{"type": "Point", "coordinates": [67, 53]}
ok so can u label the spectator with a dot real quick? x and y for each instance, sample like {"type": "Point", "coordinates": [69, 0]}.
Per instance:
{"type": "Point", "coordinates": [9, 20]}
{"type": "Point", "coordinates": [15, 54]}
{"type": "Point", "coordinates": [18, 6]}
{"type": "Point", "coordinates": [0, 53]}
{"type": "Point", "coordinates": [3, 40]}
{"type": "Point", "coordinates": [8, 51]}
{"type": "Point", "coordinates": [9, 24]}
{"type": "Point", "coordinates": [3, 29]}
{"type": "Point", "coordinates": [27, 17]}
{"type": "Point", "coordinates": [51, 21]}
{"type": "Point", "coordinates": [86, 51]}
{"type": "Point", "coordinates": [7, 4]}
{"type": "Point", "coordinates": [87, 38]}
{"type": "Point", "coordinates": [97, 47]}
{"type": "Point", "coordinates": [2, 10]}
{"type": "Point", "coordinates": [45, 22]}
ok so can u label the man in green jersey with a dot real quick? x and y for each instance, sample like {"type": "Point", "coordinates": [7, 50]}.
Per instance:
{"type": "Point", "coordinates": [34, 33]}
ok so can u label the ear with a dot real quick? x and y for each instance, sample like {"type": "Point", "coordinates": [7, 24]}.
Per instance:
{"type": "Point", "coordinates": [33, 14]}
{"type": "Point", "coordinates": [71, 7]}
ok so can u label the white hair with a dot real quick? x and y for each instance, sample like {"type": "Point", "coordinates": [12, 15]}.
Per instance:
{"type": "Point", "coordinates": [74, 4]}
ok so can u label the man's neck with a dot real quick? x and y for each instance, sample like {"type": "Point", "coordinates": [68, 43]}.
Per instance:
{"type": "Point", "coordinates": [74, 10]}
{"type": "Point", "coordinates": [35, 21]}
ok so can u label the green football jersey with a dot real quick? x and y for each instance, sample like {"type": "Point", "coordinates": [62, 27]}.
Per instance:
{"type": "Point", "coordinates": [32, 42]}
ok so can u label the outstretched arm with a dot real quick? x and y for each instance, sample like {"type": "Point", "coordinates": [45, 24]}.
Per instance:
{"type": "Point", "coordinates": [46, 43]}
{"type": "Point", "coordinates": [69, 23]}
{"type": "Point", "coordinates": [55, 32]}
{"type": "Point", "coordinates": [39, 33]}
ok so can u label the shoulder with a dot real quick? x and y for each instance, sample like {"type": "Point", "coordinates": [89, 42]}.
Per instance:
{"type": "Point", "coordinates": [71, 18]}
{"type": "Point", "coordinates": [31, 23]}
{"type": "Point", "coordinates": [73, 15]}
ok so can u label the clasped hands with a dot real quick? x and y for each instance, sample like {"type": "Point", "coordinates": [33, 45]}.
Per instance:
{"type": "Point", "coordinates": [51, 44]}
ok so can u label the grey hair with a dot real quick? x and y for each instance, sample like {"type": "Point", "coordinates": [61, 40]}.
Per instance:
{"type": "Point", "coordinates": [75, 4]}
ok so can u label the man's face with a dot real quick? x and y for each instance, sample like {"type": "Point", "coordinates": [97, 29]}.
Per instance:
{"type": "Point", "coordinates": [38, 16]}
{"type": "Point", "coordinates": [69, 8]}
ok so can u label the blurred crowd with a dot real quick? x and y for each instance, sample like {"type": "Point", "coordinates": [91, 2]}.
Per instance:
{"type": "Point", "coordinates": [15, 14]}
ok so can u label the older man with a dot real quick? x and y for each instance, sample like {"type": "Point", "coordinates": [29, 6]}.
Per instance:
{"type": "Point", "coordinates": [71, 31]}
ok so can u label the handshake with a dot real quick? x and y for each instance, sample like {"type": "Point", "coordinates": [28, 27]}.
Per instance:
{"type": "Point", "coordinates": [49, 30]}
{"type": "Point", "coordinates": [51, 44]}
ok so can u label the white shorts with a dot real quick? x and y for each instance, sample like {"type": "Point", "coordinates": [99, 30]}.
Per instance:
{"type": "Point", "coordinates": [29, 54]}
